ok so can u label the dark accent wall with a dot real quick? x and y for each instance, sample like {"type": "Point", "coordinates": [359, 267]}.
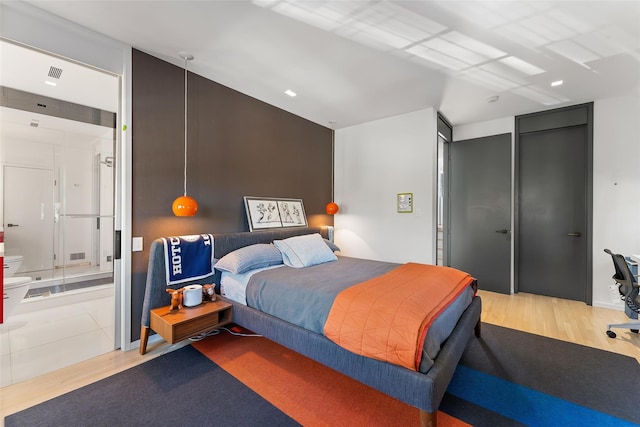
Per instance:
{"type": "Point", "coordinates": [237, 146]}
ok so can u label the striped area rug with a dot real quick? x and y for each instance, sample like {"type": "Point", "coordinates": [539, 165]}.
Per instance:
{"type": "Point", "coordinates": [507, 378]}
{"type": "Point", "coordinates": [307, 391]}
{"type": "Point", "coordinates": [180, 388]}
{"type": "Point", "coordinates": [511, 377]}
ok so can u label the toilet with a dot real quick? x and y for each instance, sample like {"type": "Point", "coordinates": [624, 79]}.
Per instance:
{"type": "Point", "coordinates": [11, 264]}
{"type": "Point", "coordinates": [15, 288]}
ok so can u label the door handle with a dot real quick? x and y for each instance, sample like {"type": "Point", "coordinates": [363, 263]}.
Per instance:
{"type": "Point", "coordinates": [576, 234]}
{"type": "Point", "coordinates": [502, 231]}
{"type": "Point", "coordinates": [12, 225]}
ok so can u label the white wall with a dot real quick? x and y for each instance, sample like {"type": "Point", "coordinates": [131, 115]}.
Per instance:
{"type": "Point", "coordinates": [488, 128]}
{"type": "Point", "coordinates": [616, 182]}
{"type": "Point", "coordinates": [377, 160]}
{"type": "Point", "coordinates": [616, 188]}
{"type": "Point", "coordinates": [374, 162]}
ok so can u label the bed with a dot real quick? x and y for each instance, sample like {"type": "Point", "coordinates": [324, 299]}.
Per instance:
{"type": "Point", "coordinates": [422, 387]}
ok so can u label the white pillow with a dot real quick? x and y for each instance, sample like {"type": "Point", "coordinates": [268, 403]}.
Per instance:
{"type": "Point", "coordinates": [304, 251]}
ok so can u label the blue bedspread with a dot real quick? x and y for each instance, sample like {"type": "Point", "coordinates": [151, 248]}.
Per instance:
{"type": "Point", "coordinates": [303, 296]}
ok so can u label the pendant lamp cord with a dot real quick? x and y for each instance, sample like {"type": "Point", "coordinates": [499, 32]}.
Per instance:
{"type": "Point", "coordinates": [333, 159]}
{"type": "Point", "coordinates": [186, 58]}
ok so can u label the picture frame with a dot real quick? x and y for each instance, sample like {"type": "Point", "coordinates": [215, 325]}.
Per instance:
{"type": "Point", "coordinates": [405, 202]}
{"type": "Point", "coordinates": [274, 212]}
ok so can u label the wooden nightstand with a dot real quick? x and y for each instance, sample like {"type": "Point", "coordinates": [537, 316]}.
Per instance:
{"type": "Point", "coordinates": [187, 322]}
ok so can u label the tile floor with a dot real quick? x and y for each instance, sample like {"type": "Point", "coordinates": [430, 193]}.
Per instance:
{"type": "Point", "coordinates": [50, 332]}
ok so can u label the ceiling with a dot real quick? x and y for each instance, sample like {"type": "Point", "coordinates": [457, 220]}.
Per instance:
{"type": "Point", "coordinates": [57, 78]}
{"type": "Point", "coordinates": [351, 62]}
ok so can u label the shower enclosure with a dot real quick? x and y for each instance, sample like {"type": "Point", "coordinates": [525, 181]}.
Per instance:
{"type": "Point", "coordinates": [58, 205]}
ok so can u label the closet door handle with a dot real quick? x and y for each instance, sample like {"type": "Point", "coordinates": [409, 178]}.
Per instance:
{"type": "Point", "coordinates": [502, 231]}
{"type": "Point", "coordinates": [13, 225]}
{"type": "Point", "coordinates": [576, 234]}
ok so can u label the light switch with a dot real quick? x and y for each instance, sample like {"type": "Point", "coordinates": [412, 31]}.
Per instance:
{"type": "Point", "coordinates": [136, 244]}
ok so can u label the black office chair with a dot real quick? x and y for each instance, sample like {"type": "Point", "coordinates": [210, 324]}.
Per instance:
{"type": "Point", "coordinates": [629, 289]}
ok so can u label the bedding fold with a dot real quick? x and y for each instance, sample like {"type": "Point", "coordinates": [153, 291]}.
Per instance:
{"type": "Point", "coordinates": [387, 317]}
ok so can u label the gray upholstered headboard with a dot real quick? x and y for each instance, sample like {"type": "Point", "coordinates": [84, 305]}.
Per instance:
{"type": "Point", "coordinates": [155, 294]}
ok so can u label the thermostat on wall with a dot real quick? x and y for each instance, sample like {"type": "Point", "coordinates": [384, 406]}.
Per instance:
{"type": "Point", "coordinates": [405, 202]}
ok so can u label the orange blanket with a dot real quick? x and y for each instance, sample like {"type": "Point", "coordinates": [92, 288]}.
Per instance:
{"type": "Point", "coordinates": [387, 318]}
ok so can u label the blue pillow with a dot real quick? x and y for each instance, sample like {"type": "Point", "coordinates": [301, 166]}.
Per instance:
{"type": "Point", "coordinates": [304, 251]}
{"type": "Point", "coordinates": [332, 246]}
{"type": "Point", "coordinates": [249, 258]}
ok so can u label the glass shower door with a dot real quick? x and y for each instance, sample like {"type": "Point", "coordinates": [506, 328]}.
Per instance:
{"type": "Point", "coordinates": [86, 218]}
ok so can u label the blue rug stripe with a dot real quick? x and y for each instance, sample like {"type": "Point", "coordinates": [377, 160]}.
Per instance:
{"type": "Point", "coordinates": [523, 404]}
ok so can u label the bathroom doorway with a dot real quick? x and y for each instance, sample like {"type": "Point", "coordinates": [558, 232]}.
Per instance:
{"type": "Point", "coordinates": [58, 145]}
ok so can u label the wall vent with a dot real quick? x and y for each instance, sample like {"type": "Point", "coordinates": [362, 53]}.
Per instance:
{"type": "Point", "coordinates": [55, 72]}
{"type": "Point", "coordinates": [76, 256]}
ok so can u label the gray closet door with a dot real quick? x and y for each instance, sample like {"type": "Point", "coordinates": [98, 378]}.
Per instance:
{"type": "Point", "coordinates": [552, 240]}
{"type": "Point", "coordinates": [480, 210]}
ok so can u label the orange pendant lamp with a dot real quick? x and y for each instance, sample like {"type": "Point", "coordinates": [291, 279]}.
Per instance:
{"type": "Point", "coordinates": [332, 207]}
{"type": "Point", "coordinates": [185, 205]}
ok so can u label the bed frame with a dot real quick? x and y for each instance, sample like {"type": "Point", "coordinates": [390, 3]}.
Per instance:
{"type": "Point", "coordinates": [423, 391]}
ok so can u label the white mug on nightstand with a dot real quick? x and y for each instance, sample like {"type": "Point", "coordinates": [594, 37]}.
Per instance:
{"type": "Point", "coordinates": [192, 295]}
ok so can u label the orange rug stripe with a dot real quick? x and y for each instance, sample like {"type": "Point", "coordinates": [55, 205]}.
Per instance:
{"type": "Point", "coordinates": [307, 391]}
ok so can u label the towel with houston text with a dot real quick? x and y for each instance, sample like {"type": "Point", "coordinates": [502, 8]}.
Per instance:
{"type": "Point", "coordinates": [188, 257]}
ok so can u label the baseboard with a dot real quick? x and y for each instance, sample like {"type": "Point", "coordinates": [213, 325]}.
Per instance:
{"type": "Point", "coordinates": [609, 305]}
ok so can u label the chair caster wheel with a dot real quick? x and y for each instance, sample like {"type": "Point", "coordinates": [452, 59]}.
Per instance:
{"type": "Point", "coordinates": [611, 334]}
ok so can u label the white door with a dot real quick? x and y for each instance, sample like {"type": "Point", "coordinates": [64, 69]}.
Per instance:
{"type": "Point", "coordinates": [28, 216]}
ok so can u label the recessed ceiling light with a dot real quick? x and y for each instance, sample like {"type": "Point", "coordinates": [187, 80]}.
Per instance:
{"type": "Point", "coordinates": [520, 65]}
{"type": "Point", "coordinates": [556, 83]}
{"type": "Point", "coordinates": [290, 93]}
{"type": "Point", "coordinates": [47, 82]}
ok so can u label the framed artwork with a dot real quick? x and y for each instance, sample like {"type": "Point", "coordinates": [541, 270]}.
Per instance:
{"type": "Point", "coordinates": [405, 202]}
{"type": "Point", "coordinates": [271, 212]}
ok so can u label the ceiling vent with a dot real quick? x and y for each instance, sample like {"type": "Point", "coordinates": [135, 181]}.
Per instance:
{"type": "Point", "coordinates": [34, 124]}
{"type": "Point", "coordinates": [55, 72]}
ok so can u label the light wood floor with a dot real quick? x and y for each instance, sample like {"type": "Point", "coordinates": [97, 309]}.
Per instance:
{"type": "Point", "coordinates": [561, 319]}
{"type": "Point", "coordinates": [552, 317]}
